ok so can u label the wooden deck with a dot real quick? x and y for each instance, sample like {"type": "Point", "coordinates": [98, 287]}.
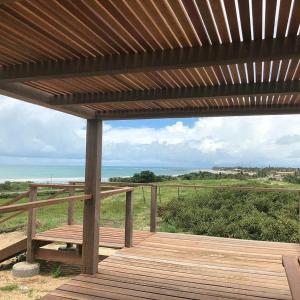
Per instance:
{"type": "Point", "coordinates": [169, 266]}
{"type": "Point", "coordinates": [109, 237]}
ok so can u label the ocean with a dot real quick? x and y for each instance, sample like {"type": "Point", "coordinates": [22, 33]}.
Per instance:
{"type": "Point", "coordinates": [60, 174]}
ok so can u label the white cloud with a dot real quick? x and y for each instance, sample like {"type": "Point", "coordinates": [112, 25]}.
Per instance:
{"type": "Point", "coordinates": [29, 133]}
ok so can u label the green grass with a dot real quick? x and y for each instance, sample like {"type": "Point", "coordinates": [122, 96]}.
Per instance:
{"type": "Point", "coordinates": [113, 208]}
{"type": "Point", "coordinates": [9, 287]}
{"type": "Point", "coordinates": [56, 272]}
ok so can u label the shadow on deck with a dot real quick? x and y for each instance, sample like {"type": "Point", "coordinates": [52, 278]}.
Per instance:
{"type": "Point", "coordinates": [179, 266]}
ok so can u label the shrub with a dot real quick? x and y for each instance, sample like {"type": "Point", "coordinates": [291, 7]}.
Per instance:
{"type": "Point", "coordinates": [142, 177]}
{"type": "Point", "coordinates": [247, 215]}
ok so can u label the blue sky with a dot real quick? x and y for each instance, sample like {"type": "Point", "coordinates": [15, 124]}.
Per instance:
{"type": "Point", "coordinates": [33, 135]}
{"type": "Point", "coordinates": [157, 123]}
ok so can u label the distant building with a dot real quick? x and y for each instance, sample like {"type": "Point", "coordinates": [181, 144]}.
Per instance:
{"type": "Point", "coordinates": [279, 175]}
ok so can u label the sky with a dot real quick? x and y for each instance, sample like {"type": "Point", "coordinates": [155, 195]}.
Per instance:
{"type": "Point", "coordinates": [30, 134]}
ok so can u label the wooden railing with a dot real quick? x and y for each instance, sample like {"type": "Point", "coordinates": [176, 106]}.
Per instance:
{"type": "Point", "coordinates": [32, 205]}
{"type": "Point", "coordinates": [16, 199]}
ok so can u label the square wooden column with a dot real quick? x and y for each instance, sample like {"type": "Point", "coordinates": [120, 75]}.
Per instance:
{"type": "Point", "coordinates": [91, 211]}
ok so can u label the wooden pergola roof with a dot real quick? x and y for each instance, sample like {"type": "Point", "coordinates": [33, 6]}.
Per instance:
{"type": "Point", "coordinates": [116, 59]}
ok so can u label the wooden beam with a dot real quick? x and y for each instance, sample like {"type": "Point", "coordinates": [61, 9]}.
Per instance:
{"type": "Point", "coordinates": [91, 211]}
{"type": "Point", "coordinates": [66, 257]}
{"type": "Point", "coordinates": [200, 112]}
{"type": "Point", "coordinates": [183, 93]}
{"type": "Point", "coordinates": [210, 55]}
{"type": "Point", "coordinates": [34, 96]}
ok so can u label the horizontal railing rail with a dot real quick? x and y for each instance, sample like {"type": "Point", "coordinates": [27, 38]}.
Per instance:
{"type": "Point", "coordinates": [16, 199]}
{"type": "Point", "coordinates": [10, 202]}
{"type": "Point", "coordinates": [56, 185]}
{"type": "Point", "coordinates": [234, 188]}
{"type": "Point", "coordinates": [41, 203]}
{"type": "Point", "coordinates": [129, 184]}
{"type": "Point", "coordinates": [109, 193]}
{"type": "Point", "coordinates": [3, 220]}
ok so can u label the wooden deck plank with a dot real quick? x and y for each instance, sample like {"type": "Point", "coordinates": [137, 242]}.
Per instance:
{"type": "Point", "coordinates": [109, 237]}
{"type": "Point", "coordinates": [13, 250]}
{"type": "Point", "coordinates": [177, 266]}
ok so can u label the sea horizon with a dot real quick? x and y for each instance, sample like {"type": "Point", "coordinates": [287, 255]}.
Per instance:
{"type": "Point", "coordinates": [65, 173]}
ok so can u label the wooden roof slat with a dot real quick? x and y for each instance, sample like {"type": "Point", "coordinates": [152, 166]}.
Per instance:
{"type": "Point", "coordinates": [233, 19]}
{"type": "Point", "coordinates": [295, 19]}
{"type": "Point", "coordinates": [178, 9]}
{"type": "Point", "coordinates": [195, 17]}
{"type": "Point", "coordinates": [296, 74]}
{"type": "Point", "coordinates": [57, 26]}
{"type": "Point", "coordinates": [257, 16]}
{"type": "Point", "coordinates": [270, 18]}
{"type": "Point", "coordinates": [115, 26]}
{"type": "Point", "coordinates": [139, 24]}
{"type": "Point", "coordinates": [208, 24]}
{"type": "Point", "coordinates": [30, 36]}
{"type": "Point", "coordinates": [283, 17]}
{"type": "Point", "coordinates": [75, 18]}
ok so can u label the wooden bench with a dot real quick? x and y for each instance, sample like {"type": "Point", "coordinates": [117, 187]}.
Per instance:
{"type": "Point", "coordinates": [292, 269]}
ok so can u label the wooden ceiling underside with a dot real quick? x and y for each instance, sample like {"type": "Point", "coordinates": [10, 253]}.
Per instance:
{"type": "Point", "coordinates": [115, 59]}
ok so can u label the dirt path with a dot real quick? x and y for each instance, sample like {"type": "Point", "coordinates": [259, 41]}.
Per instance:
{"type": "Point", "coordinates": [12, 288]}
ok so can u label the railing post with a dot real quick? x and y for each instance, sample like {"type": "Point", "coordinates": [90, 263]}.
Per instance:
{"type": "Point", "coordinates": [71, 206]}
{"type": "Point", "coordinates": [31, 226]}
{"type": "Point", "coordinates": [153, 209]}
{"type": "Point", "coordinates": [129, 220]}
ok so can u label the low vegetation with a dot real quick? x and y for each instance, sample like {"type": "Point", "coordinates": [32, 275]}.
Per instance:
{"type": "Point", "coordinates": [9, 287]}
{"type": "Point", "coordinates": [9, 186]}
{"type": "Point", "coordinates": [56, 272]}
{"type": "Point", "coordinates": [247, 215]}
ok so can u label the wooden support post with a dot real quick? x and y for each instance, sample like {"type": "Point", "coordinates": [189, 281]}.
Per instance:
{"type": "Point", "coordinates": [129, 220]}
{"type": "Point", "coordinates": [299, 220]}
{"type": "Point", "coordinates": [91, 213]}
{"type": "Point", "coordinates": [31, 226]}
{"type": "Point", "coordinates": [153, 210]}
